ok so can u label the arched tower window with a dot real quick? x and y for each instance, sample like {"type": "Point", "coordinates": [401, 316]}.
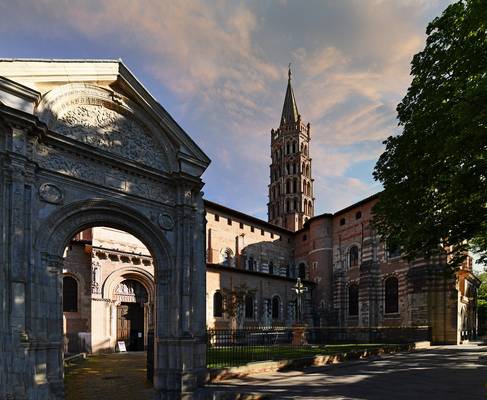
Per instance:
{"type": "Point", "coordinates": [295, 186]}
{"type": "Point", "coordinates": [70, 294]}
{"type": "Point", "coordinates": [295, 204]}
{"type": "Point", "coordinates": [391, 295]}
{"type": "Point", "coordinates": [249, 306]}
{"type": "Point", "coordinates": [353, 300]}
{"type": "Point", "coordinates": [288, 147]}
{"type": "Point", "coordinates": [294, 168]}
{"type": "Point", "coordinates": [288, 187]}
{"type": "Point", "coordinates": [310, 208]}
{"type": "Point", "coordinates": [294, 147]}
{"type": "Point", "coordinates": [276, 305]}
{"type": "Point", "coordinates": [287, 206]}
{"type": "Point", "coordinates": [308, 187]}
{"type": "Point", "coordinates": [353, 256]}
{"type": "Point", "coordinates": [217, 304]}
{"type": "Point", "coordinates": [307, 171]}
{"type": "Point", "coordinates": [302, 271]}
{"type": "Point", "coordinates": [288, 168]}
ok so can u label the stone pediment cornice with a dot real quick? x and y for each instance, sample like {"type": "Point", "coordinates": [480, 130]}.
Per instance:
{"type": "Point", "coordinates": [34, 76]}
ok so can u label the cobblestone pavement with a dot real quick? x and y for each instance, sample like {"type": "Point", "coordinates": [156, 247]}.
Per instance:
{"type": "Point", "coordinates": [439, 373]}
{"type": "Point", "coordinates": [118, 376]}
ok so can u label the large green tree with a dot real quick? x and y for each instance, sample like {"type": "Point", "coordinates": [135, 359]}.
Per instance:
{"type": "Point", "coordinates": [435, 172]}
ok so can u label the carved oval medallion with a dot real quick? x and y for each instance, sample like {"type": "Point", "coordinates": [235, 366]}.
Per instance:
{"type": "Point", "coordinates": [165, 221]}
{"type": "Point", "coordinates": [50, 193]}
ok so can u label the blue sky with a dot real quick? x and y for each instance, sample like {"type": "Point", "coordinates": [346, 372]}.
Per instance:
{"type": "Point", "coordinates": [220, 68]}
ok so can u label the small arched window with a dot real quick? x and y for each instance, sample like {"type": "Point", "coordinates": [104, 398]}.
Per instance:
{"type": "Point", "coordinates": [70, 294]}
{"type": "Point", "coordinates": [305, 207]}
{"type": "Point", "coordinates": [288, 187]}
{"type": "Point", "coordinates": [276, 305]}
{"type": "Point", "coordinates": [295, 186]}
{"type": "Point", "coordinates": [310, 208]}
{"type": "Point", "coordinates": [391, 295]}
{"type": "Point", "coordinates": [294, 147]}
{"type": "Point", "coordinates": [302, 271]}
{"type": "Point", "coordinates": [353, 256]}
{"type": "Point", "coordinates": [250, 263]}
{"type": "Point", "coordinates": [288, 147]}
{"type": "Point", "coordinates": [249, 306]}
{"type": "Point", "coordinates": [288, 168]}
{"type": "Point", "coordinates": [353, 300]}
{"type": "Point", "coordinates": [217, 304]}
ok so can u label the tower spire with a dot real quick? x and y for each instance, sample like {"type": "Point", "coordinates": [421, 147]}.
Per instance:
{"type": "Point", "coordinates": [290, 109]}
{"type": "Point", "coordinates": [291, 201]}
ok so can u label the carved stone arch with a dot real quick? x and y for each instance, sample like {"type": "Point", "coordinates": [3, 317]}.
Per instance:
{"type": "Point", "coordinates": [109, 122]}
{"type": "Point", "coordinates": [66, 221]}
{"type": "Point", "coordinates": [145, 278]}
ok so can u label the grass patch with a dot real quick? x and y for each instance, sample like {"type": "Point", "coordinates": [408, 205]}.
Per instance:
{"type": "Point", "coordinates": [240, 355]}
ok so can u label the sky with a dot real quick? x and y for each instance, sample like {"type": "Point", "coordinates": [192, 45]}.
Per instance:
{"type": "Point", "coordinates": [220, 69]}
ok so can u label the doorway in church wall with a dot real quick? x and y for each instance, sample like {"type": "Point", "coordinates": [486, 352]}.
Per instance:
{"type": "Point", "coordinates": [131, 314]}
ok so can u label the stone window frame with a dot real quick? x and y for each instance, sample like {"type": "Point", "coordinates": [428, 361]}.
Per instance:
{"type": "Point", "coordinates": [222, 313]}
{"type": "Point", "coordinates": [78, 295]}
{"type": "Point", "coordinates": [353, 284]}
{"type": "Point", "coordinates": [279, 310]}
{"type": "Point", "coordinates": [387, 298]}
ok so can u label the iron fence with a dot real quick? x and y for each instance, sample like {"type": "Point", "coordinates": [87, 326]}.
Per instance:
{"type": "Point", "coordinates": [233, 347]}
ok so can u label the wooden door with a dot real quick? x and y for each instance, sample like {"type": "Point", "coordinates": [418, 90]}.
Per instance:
{"type": "Point", "coordinates": [123, 323]}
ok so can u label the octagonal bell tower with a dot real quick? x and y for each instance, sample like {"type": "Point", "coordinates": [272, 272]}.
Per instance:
{"type": "Point", "coordinates": [291, 201]}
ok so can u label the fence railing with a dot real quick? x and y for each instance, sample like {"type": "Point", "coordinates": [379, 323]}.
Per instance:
{"type": "Point", "coordinates": [232, 347]}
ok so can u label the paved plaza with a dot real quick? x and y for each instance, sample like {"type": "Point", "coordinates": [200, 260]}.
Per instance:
{"type": "Point", "coordinates": [449, 372]}
{"type": "Point", "coordinates": [442, 373]}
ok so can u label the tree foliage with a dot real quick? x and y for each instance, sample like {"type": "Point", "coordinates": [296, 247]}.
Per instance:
{"type": "Point", "coordinates": [435, 172]}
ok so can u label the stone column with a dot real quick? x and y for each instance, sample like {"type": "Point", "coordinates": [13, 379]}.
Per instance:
{"type": "Point", "coordinates": [180, 363]}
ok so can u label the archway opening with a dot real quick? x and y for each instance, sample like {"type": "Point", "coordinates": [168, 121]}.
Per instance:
{"type": "Point", "coordinates": [108, 292]}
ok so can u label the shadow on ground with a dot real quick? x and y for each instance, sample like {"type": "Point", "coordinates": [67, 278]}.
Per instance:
{"type": "Point", "coordinates": [457, 372]}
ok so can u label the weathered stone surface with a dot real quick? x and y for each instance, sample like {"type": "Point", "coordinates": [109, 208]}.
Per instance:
{"type": "Point", "coordinates": [88, 156]}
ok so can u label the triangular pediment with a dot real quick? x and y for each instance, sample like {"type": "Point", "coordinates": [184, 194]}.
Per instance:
{"type": "Point", "coordinates": [111, 100]}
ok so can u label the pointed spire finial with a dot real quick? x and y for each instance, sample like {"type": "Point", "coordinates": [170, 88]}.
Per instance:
{"type": "Point", "coordinates": [289, 73]}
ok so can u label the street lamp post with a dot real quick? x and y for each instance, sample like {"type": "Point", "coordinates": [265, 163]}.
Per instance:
{"type": "Point", "coordinates": [299, 338]}
{"type": "Point", "coordinates": [300, 290]}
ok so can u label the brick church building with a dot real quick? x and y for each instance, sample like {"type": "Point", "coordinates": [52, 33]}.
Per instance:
{"type": "Point", "coordinates": [353, 279]}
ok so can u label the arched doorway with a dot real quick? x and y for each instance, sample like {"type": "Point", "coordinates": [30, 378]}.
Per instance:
{"type": "Point", "coordinates": [132, 314]}
{"type": "Point", "coordinates": [93, 148]}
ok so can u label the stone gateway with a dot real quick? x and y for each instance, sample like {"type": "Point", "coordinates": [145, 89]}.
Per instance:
{"type": "Point", "coordinates": [83, 144]}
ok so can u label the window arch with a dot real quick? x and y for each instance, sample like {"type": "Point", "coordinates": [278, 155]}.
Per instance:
{"type": "Point", "coordinates": [250, 263]}
{"type": "Point", "coordinates": [70, 294]}
{"type": "Point", "coordinates": [302, 271]}
{"type": "Point", "coordinates": [310, 208]}
{"type": "Point", "coordinates": [353, 256]}
{"type": "Point", "coordinates": [276, 306]}
{"type": "Point", "coordinates": [391, 295]}
{"type": "Point", "coordinates": [305, 207]}
{"type": "Point", "coordinates": [288, 147]}
{"type": "Point", "coordinates": [294, 147]}
{"type": "Point", "coordinates": [217, 304]}
{"type": "Point", "coordinates": [288, 187]}
{"type": "Point", "coordinates": [249, 306]}
{"type": "Point", "coordinates": [353, 300]}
